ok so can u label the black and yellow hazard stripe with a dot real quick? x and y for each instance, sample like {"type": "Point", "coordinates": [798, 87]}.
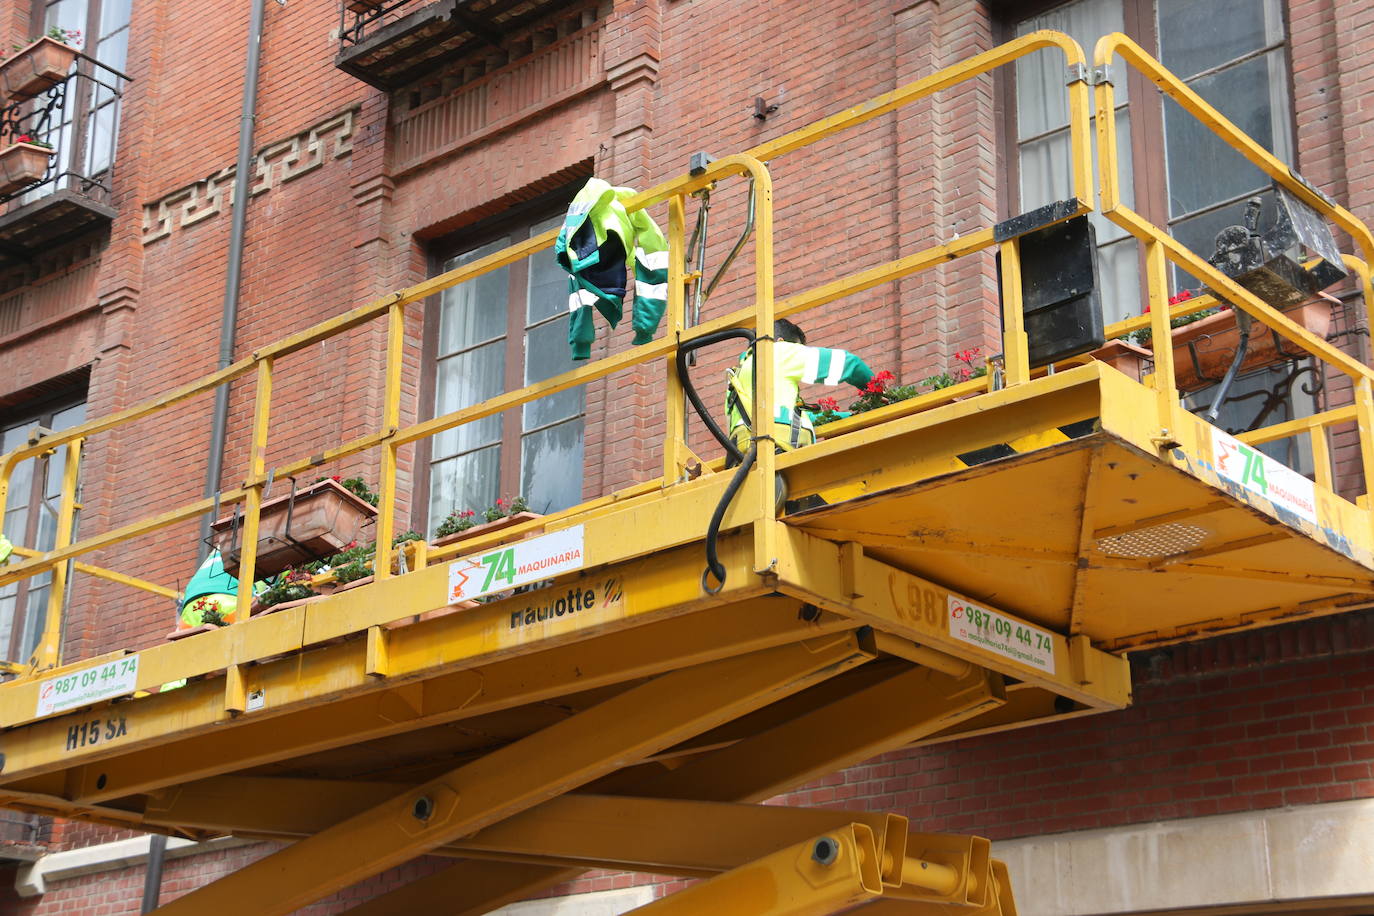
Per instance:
{"type": "Point", "coordinates": [1029, 443]}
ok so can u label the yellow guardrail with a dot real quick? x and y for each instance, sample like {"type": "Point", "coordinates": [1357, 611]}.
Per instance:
{"type": "Point", "coordinates": [391, 436]}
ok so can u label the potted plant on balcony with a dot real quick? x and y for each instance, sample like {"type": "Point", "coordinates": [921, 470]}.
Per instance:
{"type": "Point", "coordinates": [461, 524]}
{"type": "Point", "coordinates": [360, 7]}
{"type": "Point", "coordinates": [299, 527]}
{"type": "Point", "coordinates": [40, 64]}
{"type": "Point", "coordinates": [23, 162]}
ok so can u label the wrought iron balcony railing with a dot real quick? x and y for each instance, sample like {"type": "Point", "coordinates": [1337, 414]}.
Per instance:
{"type": "Point", "coordinates": [78, 118]}
{"type": "Point", "coordinates": [392, 43]}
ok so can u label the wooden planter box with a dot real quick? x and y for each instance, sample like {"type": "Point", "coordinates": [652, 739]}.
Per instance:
{"type": "Point", "coordinates": [1214, 339]}
{"type": "Point", "coordinates": [487, 528]}
{"type": "Point", "coordinates": [324, 519]}
{"type": "Point", "coordinates": [36, 68]}
{"type": "Point", "coordinates": [22, 164]}
{"type": "Point", "coordinates": [1125, 357]}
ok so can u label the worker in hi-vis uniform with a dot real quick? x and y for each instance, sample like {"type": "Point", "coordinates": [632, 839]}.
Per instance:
{"type": "Point", "coordinates": [795, 364]}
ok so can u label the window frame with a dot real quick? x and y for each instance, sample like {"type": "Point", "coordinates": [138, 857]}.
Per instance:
{"type": "Point", "coordinates": [1149, 145]}
{"type": "Point", "coordinates": [40, 413]}
{"type": "Point", "coordinates": [517, 222]}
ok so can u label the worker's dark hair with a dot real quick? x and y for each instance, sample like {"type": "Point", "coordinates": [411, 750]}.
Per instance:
{"type": "Point", "coordinates": [786, 330]}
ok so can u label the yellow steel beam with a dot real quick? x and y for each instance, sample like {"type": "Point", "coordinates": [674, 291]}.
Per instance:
{"type": "Point", "coordinates": [674, 406]}
{"type": "Point", "coordinates": [395, 707]}
{"type": "Point", "coordinates": [906, 605]}
{"type": "Point", "coordinates": [108, 575]}
{"type": "Point", "coordinates": [823, 874]}
{"type": "Point", "coordinates": [839, 735]}
{"type": "Point", "coordinates": [654, 835]}
{"type": "Point", "coordinates": [560, 757]}
{"type": "Point", "coordinates": [469, 888]}
{"type": "Point", "coordinates": [663, 585]}
{"type": "Point", "coordinates": [894, 712]}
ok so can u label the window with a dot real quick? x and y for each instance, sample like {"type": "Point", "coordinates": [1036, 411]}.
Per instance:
{"type": "Point", "coordinates": [1236, 61]}
{"type": "Point", "coordinates": [498, 332]}
{"type": "Point", "coordinates": [84, 130]}
{"type": "Point", "coordinates": [31, 521]}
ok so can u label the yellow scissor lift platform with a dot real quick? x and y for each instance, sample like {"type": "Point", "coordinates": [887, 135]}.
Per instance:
{"type": "Point", "coordinates": [975, 559]}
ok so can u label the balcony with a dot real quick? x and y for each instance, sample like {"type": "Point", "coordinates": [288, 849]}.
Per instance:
{"type": "Point", "coordinates": [391, 44]}
{"type": "Point", "coordinates": [78, 118]}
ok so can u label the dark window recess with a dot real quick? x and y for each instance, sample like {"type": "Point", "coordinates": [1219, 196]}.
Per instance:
{"type": "Point", "coordinates": [392, 44]}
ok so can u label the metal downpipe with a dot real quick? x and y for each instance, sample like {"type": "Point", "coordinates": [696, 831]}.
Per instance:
{"type": "Point", "coordinates": [234, 276]}
{"type": "Point", "coordinates": [157, 843]}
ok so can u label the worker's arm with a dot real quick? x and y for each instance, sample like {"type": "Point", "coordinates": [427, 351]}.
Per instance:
{"type": "Point", "coordinates": [828, 366]}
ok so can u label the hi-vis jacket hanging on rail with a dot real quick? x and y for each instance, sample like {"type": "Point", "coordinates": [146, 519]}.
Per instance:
{"type": "Point", "coordinates": [598, 245]}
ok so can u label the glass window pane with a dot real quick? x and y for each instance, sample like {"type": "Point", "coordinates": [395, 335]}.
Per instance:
{"type": "Point", "coordinates": [1046, 173]}
{"type": "Point", "coordinates": [1118, 270]}
{"type": "Point", "coordinates": [7, 610]}
{"type": "Point", "coordinates": [1041, 96]}
{"type": "Point", "coordinates": [547, 355]}
{"type": "Point", "coordinates": [113, 52]}
{"type": "Point", "coordinates": [100, 136]}
{"type": "Point", "coordinates": [472, 312]}
{"type": "Point", "coordinates": [1249, 397]}
{"type": "Point", "coordinates": [114, 14]}
{"type": "Point", "coordinates": [548, 290]}
{"type": "Point", "coordinates": [35, 615]}
{"type": "Point", "coordinates": [464, 380]}
{"type": "Point", "coordinates": [470, 481]}
{"type": "Point", "coordinates": [66, 14]}
{"type": "Point", "coordinates": [551, 468]}
{"type": "Point", "coordinates": [1202, 169]}
{"type": "Point", "coordinates": [1196, 35]}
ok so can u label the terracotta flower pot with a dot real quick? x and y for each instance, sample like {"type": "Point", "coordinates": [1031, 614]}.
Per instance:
{"type": "Point", "coordinates": [363, 6]}
{"type": "Point", "coordinates": [1125, 357]}
{"type": "Point", "coordinates": [1214, 339]}
{"type": "Point", "coordinates": [486, 528]}
{"type": "Point", "coordinates": [324, 519]}
{"type": "Point", "coordinates": [36, 68]}
{"type": "Point", "coordinates": [22, 164]}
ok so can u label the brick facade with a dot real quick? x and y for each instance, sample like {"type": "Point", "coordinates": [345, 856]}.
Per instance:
{"type": "Point", "coordinates": [1244, 722]}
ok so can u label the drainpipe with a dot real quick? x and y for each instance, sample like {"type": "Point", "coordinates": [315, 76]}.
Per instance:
{"type": "Point", "coordinates": [157, 843]}
{"type": "Point", "coordinates": [229, 321]}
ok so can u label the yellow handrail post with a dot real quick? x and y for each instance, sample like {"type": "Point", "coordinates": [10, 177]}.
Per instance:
{"type": "Point", "coordinates": [1321, 455]}
{"type": "Point", "coordinates": [253, 484]}
{"type": "Point", "coordinates": [1364, 420]}
{"type": "Point", "coordinates": [391, 422]}
{"type": "Point", "coordinates": [1015, 345]}
{"type": "Point", "coordinates": [765, 460]}
{"type": "Point", "coordinates": [674, 412]}
{"type": "Point", "coordinates": [1157, 283]}
{"type": "Point", "coordinates": [49, 651]}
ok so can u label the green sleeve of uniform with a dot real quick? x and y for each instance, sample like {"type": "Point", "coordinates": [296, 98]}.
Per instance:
{"type": "Point", "coordinates": [581, 332]}
{"type": "Point", "coordinates": [828, 366]}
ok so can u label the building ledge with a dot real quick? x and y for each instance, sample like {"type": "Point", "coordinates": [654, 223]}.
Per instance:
{"type": "Point", "coordinates": [48, 221]}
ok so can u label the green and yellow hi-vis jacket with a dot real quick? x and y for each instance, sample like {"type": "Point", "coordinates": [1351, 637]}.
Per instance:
{"type": "Point", "coordinates": [794, 365]}
{"type": "Point", "coordinates": [600, 244]}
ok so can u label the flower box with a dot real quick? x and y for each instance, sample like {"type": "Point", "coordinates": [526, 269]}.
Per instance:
{"type": "Point", "coordinates": [1213, 340]}
{"type": "Point", "coordinates": [22, 164]}
{"type": "Point", "coordinates": [363, 6]}
{"type": "Point", "coordinates": [486, 528]}
{"type": "Point", "coordinates": [1125, 357]}
{"type": "Point", "coordinates": [36, 68]}
{"type": "Point", "coordinates": [322, 519]}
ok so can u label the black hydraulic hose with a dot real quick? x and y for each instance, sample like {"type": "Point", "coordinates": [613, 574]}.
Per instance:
{"type": "Point", "coordinates": [713, 565]}
{"type": "Point", "coordinates": [746, 460]}
{"type": "Point", "coordinates": [690, 390]}
{"type": "Point", "coordinates": [1243, 321]}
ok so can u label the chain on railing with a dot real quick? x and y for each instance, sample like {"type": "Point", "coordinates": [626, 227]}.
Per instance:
{"type": "Point", "coordinates": [759, 316]}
